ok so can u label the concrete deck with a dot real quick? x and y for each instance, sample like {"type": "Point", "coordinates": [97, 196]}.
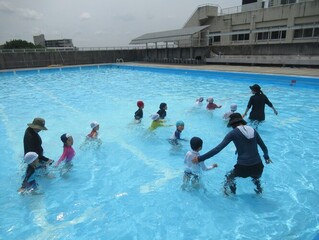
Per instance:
{"type": "Point", "coordinates": [314, 72]}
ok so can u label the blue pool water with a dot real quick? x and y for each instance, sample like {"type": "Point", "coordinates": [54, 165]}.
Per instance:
{"type": "Point", "coordinates": [129, 188]}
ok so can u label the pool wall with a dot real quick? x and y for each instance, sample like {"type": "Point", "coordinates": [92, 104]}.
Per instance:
{"type": "Point", "coordinates": [291, 80]}
{"type": "Point", "coordinates": [13, 60]}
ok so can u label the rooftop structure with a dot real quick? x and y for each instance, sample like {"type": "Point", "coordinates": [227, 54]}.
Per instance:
{"type": "Point", "coordinates": [260, 22]}
{"type": "Point", "coordinates": [59, 43]}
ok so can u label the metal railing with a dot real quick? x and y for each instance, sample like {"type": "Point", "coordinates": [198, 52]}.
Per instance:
{"type": "Point", "coordinates": [68, 49]}
{"type": "Point", "coordinates": [257, 5]}
{"type": "Point", "coordinates": [140, 47]}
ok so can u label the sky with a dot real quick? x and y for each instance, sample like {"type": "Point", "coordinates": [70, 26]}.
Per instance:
{"type": "Point", "coordinates": [95, 23]}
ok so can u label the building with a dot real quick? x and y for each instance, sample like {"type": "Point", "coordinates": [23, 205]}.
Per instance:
{"type": "Point", "coordinates": [284, 29]}
{"type": "Point", "coordinates": [59, 43]}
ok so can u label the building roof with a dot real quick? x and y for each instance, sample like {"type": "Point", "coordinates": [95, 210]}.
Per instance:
{"type": "Point", "coordinates": [168, 36]}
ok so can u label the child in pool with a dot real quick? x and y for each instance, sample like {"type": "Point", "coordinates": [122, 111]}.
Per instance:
{"type": "Point", "coordinates": [29, 183]}
{"type": "Point", "coordinates": [193, 172]}
{"type": "Point", "coordinates": [162, 111]}
{"type": "Point", "coordinates": [177, 134]}
{"type": "Point", "coordinates": [157, 122]}
{"type": "Point", "coordinates": [233, 109]}
{"type": "Point", "coordinates": [139, 113]}
{"type": "Point", "coordinates": [211, 105]}
{"type": "Point", "coordinates": [94, 133]}
{"type": "Point", "coordinates": [68, 151]}
{"type": "Point", "coordinates": [199, 101]}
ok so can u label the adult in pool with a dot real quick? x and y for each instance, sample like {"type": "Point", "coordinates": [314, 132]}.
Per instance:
{"type": "Point", "coordinates": [258, 102]}
{"type": "Point", "coordinates": [249, 164]}
{"type": "Point", "coordinates": [32, 141]}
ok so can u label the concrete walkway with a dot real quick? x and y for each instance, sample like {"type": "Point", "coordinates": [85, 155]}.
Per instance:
{"type": "Point", "coordinates": [314, 72]}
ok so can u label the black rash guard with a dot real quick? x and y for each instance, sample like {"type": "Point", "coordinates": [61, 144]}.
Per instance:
{"type": "Point", "coordinates": [33, 143]}
{"type": "Point", "coordinates": [161, 113]}
{"type": "Point", "coordinates": [257, 102]}
{"type": "Point", "coordinates": [138, 114]}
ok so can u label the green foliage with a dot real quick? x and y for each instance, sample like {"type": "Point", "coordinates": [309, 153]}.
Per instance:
{"type": "Point", "coordinates": [19, 44]}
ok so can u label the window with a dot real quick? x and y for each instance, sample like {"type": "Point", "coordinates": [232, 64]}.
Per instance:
{"type": "Point", "coordinates": [275, 35]}
{"type": "Point", "coordinates": [240, 37]}
{"type": "Point", "coordinates": [288, 1]}
{"type": "Point", "coordinates": [210, 41]}
{"type": "Point", "coordinates": [262, 36]}
{"type": "Point", "coordinates": [234, 37]}
{"type": "Point", "coordinates": [213, 39]}
{"type": "Point", "coordinates": [216, 39]}
{"type": "Point", "coordinates": [298, 33]}
{"type": "Point", "coordinates": [271, 35]}
{"type": "Point", "coordinates": [308, 32]}
{"type": "Point", "coordinates": [283, 34]}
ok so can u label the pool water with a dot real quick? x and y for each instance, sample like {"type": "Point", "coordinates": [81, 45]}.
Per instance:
{"type": "Point", "coordinates": [130, 187]}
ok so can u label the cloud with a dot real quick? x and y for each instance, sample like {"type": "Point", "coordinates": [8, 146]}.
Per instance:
{"type": "Point", "coordinates": [29, 14]}
{"type": "Point", "coordinates": [77, 33]}
{"type": "Point", "coordinates": [125, 17]}
{"type": "Point", "coordinates": [85, 16]}
{"type": "Point", "coordinates": [99, 33]}
{"type": "Point", "coordinates": [36, 31]}
{"type": "Point", "coordinates": [25, 13]}
{"type": "Point", "coordinates": [6, 8]}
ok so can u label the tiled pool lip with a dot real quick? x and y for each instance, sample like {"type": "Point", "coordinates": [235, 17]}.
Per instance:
{"type": "Point", "coordinates": [314, 80]}
{"type": "Point", "coordinates": [305, 72]}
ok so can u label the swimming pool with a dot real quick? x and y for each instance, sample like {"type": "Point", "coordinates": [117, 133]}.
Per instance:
{"type": "Point", "coordinates": [129, 188]}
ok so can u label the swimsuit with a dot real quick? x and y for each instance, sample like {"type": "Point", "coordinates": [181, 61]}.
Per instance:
{"type": "Point", "coordinates": [67, 155]}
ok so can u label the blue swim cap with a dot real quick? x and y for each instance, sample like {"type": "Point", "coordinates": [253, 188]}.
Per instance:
{"type": "Point", "coordinates": [179, 123]}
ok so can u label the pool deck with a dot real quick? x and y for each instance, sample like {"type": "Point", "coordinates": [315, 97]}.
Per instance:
{"type": "Point", "coordinates": [314, 72]}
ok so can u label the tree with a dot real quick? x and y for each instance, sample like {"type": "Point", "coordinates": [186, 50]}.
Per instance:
{"type": "Point", "coordinates": [16, 44]}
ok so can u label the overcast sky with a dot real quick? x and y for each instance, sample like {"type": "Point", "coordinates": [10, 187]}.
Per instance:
{"type": "Point", "coordinates": [95, 23]}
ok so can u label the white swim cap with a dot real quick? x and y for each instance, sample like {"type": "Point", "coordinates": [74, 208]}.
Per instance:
{"type": "Point", "coordinates": [94, 124]}
{"type": "Point", "coordinates": [155, 116]}
{"type": "Point", "coordinates": [30, 157]}
{"type": "Point", "coordinates": [233, 107]}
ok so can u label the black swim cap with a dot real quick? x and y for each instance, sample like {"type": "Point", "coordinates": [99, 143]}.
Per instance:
{"type": "Point", "coordinates": [196, 143]}
{"type": "Point", "coordinates": [162, 105]}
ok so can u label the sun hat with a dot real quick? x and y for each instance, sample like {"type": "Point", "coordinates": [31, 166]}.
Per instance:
{"type": "Point", "coordinates": [255, 88]}
{"type": "Point", "coordinates": [155, 116]}
{"type": "Point", "coordinates": [196, 143]}
{"type": "Point", "coordinates": [64, 137]}
{"type": "Point", "coordinates": [179, 123]}
{"type": "Point", "coordinates": [235, 118]}
{"type": "Point", "coordinates": [29, 157]}
{"type": "Point", "coordinates": [162, 105]}
{"type": "Point", "coordinates": [233, 107]}
{"type": "Point", "coordinates": [210, 100]}
{"type": "Point", "coordinates": [38, 123]}
{"type": "Point", "coordinates": [140, 104]}
{"type": "Point", "coordinates": [94, 124]}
